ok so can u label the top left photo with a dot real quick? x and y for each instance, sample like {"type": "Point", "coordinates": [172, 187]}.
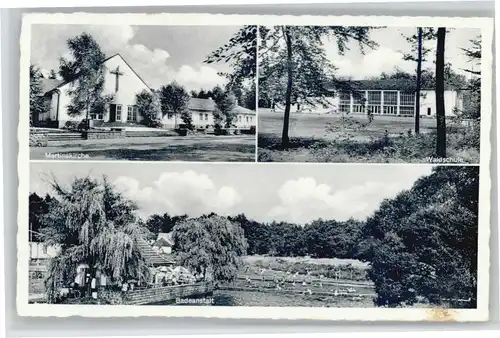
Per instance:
{"type": "Point", "coordinates": [143, 93]}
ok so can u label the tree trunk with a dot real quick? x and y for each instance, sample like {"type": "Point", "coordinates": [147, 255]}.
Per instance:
{"type": "Point", "coordinates": [286, 121]}
{"type": "Point", "coordinates": [419, 80]}
{"type": "Point", "coordinates": [87, 125]}
{"type": "Point", "coordinates": [440, 114]}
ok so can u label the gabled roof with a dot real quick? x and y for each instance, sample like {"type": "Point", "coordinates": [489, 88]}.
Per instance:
{"type": "Point", "coordinates": [62, 83]}
{"type": "Point", "coordinates": [150, 256]}
{"type": "Point", "coordinates": [50, 84]}
{"type": "Point", "coordinates": [167, 237]}
{"type": "Point", "coordinates": [201, 104]}
{"type": "Point", "coordinates": [208, 105]}
{"type": "Point", "coordinates": [162, 242]}
{"type": "Point", "coordinates": [243, 110]}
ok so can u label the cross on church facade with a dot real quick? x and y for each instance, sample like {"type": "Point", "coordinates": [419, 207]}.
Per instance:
{"type": "Point", "coordinates": [117, 74]}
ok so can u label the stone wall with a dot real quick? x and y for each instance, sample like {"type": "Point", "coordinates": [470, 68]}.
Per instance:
{"type": "Point", "coordinates": [167, 293]}
{"type": "Point", "coordinates": [103, 134]}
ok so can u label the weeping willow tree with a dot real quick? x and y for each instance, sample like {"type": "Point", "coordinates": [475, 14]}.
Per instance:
{"type": "Point", "coordinates": [94, 225]}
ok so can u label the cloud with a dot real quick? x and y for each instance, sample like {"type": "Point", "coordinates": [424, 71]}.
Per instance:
{"type": "Point", "coordinates": [199, 77]}
{"type": "Point", "coordinates": [373, 63]}
{"type": "Point", "coordinates": [49, 44]}
{"type": "Point", "coordinates": [304, 200]}
{"type": "Point", "coordinates": [180, 193]}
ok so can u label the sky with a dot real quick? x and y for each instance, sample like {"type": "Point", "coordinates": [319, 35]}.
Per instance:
{"type": "Point", "coordinates": [297, 193]}
{"type": "Point", "coordinates": [392, 44]}
{"type": "Point", "coordinates": [159, 54]}
{"type": "Point", "coordinates": [388, 55]}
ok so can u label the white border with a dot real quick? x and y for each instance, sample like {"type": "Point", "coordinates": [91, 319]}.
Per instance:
{"type": "Point", "coordinates": [363, 314]}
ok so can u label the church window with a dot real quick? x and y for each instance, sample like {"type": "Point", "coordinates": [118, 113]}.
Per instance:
{"type": "Point", "coordinates": [247, 119]}
{"type": "Point", "coordinates": [170, 116]}
{"type": "Point", "coordinates": [201, 117]}
{"type": "Point", "coordinates": [97, 116]}
{"type": "Point", "coordinates": [118, 112]}
{"type": "Point", "coordinates": [239, 118]}
{"type": "Point", "coordinates": [206, 117]}
{"type": "Point", "coordinates": [131, 113]}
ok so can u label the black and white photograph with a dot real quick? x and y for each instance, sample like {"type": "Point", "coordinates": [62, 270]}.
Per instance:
{"type": "Point", "coordinates": [369, 94]}
{"type": "Point", "coordinates": [151, 93]}
{"type": "Point", "coordinates": [307, 236]}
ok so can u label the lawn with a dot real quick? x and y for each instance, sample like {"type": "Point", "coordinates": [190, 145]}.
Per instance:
{"type": "Point", "coordinates": [318, 138]}
{"type": "Point", "coordinates": [206, 148]}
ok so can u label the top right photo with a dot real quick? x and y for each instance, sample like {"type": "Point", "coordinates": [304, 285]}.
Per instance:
{"type": "Point", "coordinates": [337, 94]}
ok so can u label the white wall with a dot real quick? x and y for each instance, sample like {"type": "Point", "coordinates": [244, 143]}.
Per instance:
{"type": "Point", "coordinates": [39, 251]}
{"type": "Point", "coordinates": [428, 102]}
{"type": "Point", "coordinates": [240, 120]}
{"type": "Point", "coordinates": [129, 85]}
{"type": "Point", "coordinates": [244, 120]}
{"type": "Point", "coordinates": [201, 119]}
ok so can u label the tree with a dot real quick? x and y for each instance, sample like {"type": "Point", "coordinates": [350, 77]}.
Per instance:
{"type": "Point", "coordinates": [224, 115]}
{"type": "Point", "coordinates": [38, 207]}
{"type": "Point", "coordinates": [163, 223]}
{"type": "Point", "coordinates": [210, 245]}
{"type": "Point", "coordinates": [92, 224]}
{"type": "Point", "coordinates": [424, 241]}
{"type": "Point", "coordinates": [473, 102]}
{"type": "Point", "coordinates": [85, 73]}
{"type": "Point", "coordinates": [294, 63]}
{"type": "Point", "coordinates": [417, 43]}
{"type": "Point", "coordinates": [149, 107]}
{"type": "Point", "coordinates": [38, 103]}
{"type": "Point", "coordinates": [440, 112]}
{"type": "Point", "coordinates": [175, 100]}
{"type": "Point", "coordinates": [241, 53]}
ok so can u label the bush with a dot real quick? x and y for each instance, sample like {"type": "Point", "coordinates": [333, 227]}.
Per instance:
{"type": "Point", "coordinates": [38, 140]}
{"type": "Point", "coordinates": [71, 125]}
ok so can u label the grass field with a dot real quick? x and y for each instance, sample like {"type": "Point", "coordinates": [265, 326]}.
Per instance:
{"type": "Point", "coordinates": [309, 125]}
{"type": "Point", "coordinates": [207, 148]}
{"type": "Point", "coordinates": [385, 139]}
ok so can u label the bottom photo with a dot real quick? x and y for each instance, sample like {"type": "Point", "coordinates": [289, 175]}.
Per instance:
{"type": "Point", "coordinates": [274, 235]}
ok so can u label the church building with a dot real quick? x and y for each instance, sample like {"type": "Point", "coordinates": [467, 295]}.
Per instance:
{"type": "Point", "coordinates": [124, 84]}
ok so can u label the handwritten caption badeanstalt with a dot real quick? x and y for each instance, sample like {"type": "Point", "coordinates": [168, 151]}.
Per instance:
{"type": "Point", "coordinates": [195, 301]}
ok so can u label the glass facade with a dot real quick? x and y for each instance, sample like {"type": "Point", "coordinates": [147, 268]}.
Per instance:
{"type": "Point", "coordinates": [386, 102]}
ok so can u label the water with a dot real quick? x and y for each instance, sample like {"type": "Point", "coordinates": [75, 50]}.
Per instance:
{"type": "Point", "coordinates": [245, 298]}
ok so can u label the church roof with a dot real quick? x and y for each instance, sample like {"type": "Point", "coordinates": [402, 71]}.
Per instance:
{"type": "Point", "coordinates": [150, 256]}
{"type": "Point", "coordinates": [52, 86]}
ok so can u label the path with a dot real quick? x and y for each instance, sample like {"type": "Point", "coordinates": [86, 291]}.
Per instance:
{"type": "Point", "coordinates": [239, 148]}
